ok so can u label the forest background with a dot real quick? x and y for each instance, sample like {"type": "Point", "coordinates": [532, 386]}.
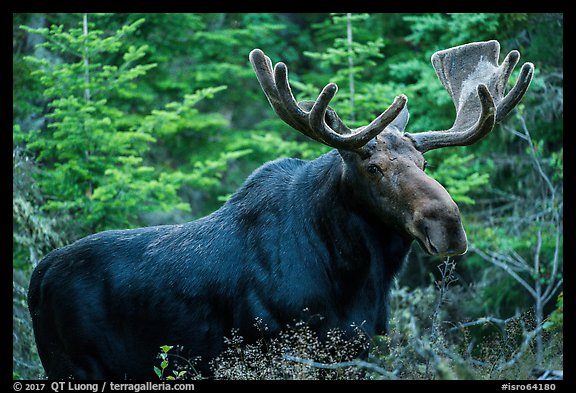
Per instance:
{"type": "Point", "coordinates": [128, 120]}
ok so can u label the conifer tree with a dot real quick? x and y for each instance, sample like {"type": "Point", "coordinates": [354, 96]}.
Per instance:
{"type": "Point", "coordinates": [92, 150]}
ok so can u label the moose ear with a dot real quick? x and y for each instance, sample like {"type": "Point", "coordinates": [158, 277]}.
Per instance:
{"type": "Point", "coordinates": [401, 120]}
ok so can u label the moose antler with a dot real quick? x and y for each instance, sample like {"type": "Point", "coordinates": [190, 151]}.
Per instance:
{"type": "Point", "coordinates": [316, 119]}
{"type": "Point", "coordinates": [476, 83]}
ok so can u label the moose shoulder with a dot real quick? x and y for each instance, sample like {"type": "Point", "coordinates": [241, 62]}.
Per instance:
{"type": "Point", "coordinates": [299, 238]}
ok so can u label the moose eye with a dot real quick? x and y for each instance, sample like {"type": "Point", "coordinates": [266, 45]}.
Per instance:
{"type": "Point", "coordinates": [372, 169]}
{"type": "Point", "coordinates": [425, 165]}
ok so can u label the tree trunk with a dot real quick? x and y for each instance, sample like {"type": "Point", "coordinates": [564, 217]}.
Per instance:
{"type": "Point", "coordinates": [350, 63]}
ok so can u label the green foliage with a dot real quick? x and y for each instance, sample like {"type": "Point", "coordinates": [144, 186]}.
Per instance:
{"type": "Point", "coordinates": [347, 60]}
{"type": "Point", "coordinates": [459, 176]}
{"type": "Point", "coordinates": [176, 374]}
{"type": "Point", "coordinates": [555, 320]}
{"type": "Point", "coordinates": [178, 116]}
{"type": "Point", "coordinates": [95, 151]}
{"type": "Point", "coordinates": [453, 29]}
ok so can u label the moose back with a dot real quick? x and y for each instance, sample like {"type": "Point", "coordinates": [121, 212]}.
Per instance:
{"type": "Point", "coordinates": [299, 238]}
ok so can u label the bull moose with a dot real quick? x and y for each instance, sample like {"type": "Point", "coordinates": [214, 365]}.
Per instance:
{"type": "Point", "coordinates": [324, 236]}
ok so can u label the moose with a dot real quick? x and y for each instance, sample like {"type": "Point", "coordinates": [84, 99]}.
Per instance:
{"type": "Point", "coordinates": [321, 237]}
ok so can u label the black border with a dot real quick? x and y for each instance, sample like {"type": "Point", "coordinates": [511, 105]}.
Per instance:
{"type": "Point", "coordinates": [370, 6]}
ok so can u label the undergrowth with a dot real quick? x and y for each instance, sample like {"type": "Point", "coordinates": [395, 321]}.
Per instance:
{"type": "Point", "coordinates": [429, 337]}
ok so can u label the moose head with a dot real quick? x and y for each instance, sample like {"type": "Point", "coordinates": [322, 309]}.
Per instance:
{"type": "Point", "coordinates": [383, 163]}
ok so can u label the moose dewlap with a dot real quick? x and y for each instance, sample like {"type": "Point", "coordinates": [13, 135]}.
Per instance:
{"type": "Point", "coordinates": [299, 238]}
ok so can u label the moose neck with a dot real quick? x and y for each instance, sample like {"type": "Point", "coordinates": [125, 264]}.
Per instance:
{"type": "Point", "coordinates": [353, 237]}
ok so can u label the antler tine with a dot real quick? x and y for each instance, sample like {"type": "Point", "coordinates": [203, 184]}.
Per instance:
{"type": "Point", "coordinates": [318, 130]}
{"type": "Point", "coordinates": [310, 118]}
{"type": "Point", "coordinates": [358, 137]}
{"type": "Point", "coordinates": [362, 135]}
{"type": "Point", "coordinates": [263, 68]}
{"type": "Point", "coordinates": [476, 82]}
{"type": "Point", "coordinates": [318, 112]}
{"type": "Point", "coordinates": [515, 95]}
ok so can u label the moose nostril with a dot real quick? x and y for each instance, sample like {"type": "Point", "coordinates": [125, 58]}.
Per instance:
{"type": "Point", "coordinates": [430, 244]}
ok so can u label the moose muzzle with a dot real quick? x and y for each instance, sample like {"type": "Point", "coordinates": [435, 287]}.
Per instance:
{"type": "Point", "coordinates": [435, 221]}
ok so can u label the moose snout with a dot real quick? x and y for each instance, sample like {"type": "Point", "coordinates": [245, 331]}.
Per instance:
{"type": "Point", "coordinates": [445, 237]}
{"type": "Point", "coordinates": [437, 226]}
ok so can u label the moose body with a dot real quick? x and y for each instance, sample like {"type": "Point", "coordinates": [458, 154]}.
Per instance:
{"type": "Point", "coordinates": [284, 248]}
{"type": "Point", "coordinates": [316, 240]}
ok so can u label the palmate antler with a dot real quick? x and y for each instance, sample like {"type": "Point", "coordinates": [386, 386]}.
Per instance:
{"type": "Point", "coordinates": [315, 118]}
{"type": "Point", "coordinates": [476, 83]}
{"type": "Point", "coordinates": [469, 72]}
